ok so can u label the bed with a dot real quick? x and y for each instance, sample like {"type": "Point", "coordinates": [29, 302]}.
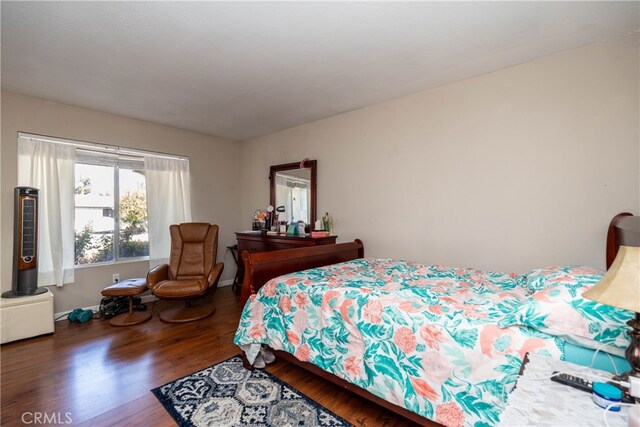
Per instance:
{"type": "Point", "coordinates": [432, 343]}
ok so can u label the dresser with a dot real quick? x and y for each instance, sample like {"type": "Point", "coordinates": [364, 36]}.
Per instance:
{"type": "Point", "coordinates": [257, 242]}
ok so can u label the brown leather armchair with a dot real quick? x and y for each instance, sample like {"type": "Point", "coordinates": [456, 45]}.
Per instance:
{"type": "Point", "coordinates": [192, 272]}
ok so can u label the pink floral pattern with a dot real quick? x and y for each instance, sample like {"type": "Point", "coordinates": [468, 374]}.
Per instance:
{"type": "Point", "coordinates": [422, 337]}
{"type": "Point", "coordinates": [449, 414]}
{"type": "Point", "coordinates": [372, 311]}
{"type": "Point", "coordinates": [405, 339]}
{"type": "Point", "coordinates": [432, 336]}
{"type": "Point", "coordinates": [302, 353]}
{"type": "Point", "coordinates": [257, 331]}
{"type": "Point", "coordinates": [353, 366]}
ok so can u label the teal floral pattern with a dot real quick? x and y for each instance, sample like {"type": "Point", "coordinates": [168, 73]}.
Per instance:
{"type": "Point", "coordinates": [422, 337]}
{"type": "Point", "coordinates": [541, 278]}
{"type": "Point", "coordinates": [558, 309]}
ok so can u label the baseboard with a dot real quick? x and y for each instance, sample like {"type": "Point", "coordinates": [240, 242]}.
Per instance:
{"type": "Point", "coordinates": [223, 283]}
{"type": "Point", "coordinates": [145, 298]}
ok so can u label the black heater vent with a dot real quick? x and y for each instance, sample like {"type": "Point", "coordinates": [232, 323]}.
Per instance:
{"type": "Point", "coordinates": [25, 244]}
{"type": "Point", "coordinates": [28, 229]}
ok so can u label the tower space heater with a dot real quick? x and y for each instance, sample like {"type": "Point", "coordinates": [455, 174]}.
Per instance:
{"type": "Point", "coordinates": [25, 244]}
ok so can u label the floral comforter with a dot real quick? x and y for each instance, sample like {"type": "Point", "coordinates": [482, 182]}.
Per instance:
{"type": "Point", "coordinates": [421, 337]}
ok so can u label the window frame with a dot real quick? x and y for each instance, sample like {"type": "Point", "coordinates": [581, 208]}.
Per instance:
{"type": "Point", "coordinates": [101, 150]}
{"type": "Point", "coordinates": [89, 157]}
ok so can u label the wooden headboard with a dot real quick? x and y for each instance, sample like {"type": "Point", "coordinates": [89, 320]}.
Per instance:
{"type": "Point", "coordinates": [260, 267]}
{"type": "Point", "coordinates": [622, 231]}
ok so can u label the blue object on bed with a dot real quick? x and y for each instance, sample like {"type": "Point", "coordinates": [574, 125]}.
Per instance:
{"type": "Point", "coordinates": [582, 356]}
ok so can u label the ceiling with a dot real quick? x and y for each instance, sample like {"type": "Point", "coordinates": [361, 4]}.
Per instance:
{"type": "Point", "coordinates": [240, 70]}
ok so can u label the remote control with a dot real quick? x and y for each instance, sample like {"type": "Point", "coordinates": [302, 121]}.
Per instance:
{"type": "Point", "coordinates": [571, 381]}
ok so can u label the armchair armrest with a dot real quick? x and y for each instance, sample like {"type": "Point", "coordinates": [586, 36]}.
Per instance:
{"type": "Point", "coordinates": [214, 275]}
{"type": "Point", "coordinates": [157, 274]}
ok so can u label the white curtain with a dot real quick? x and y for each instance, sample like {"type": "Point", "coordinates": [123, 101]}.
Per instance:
{"type": "Point", "coordinates": [168, 202]}
{"type": "Point", "coordinates": [49, 168]}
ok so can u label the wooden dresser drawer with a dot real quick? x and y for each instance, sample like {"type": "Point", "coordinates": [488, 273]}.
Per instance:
{"type": "Point", "coordinates": [280, 246]}
{"type": "Point", "coordinates": [252, 246]}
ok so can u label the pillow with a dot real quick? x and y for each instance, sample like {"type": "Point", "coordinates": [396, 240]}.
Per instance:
{"type": "Point", "coordinates": [541, 278]}
{"type": "Point", "coordinates": [559, 310]}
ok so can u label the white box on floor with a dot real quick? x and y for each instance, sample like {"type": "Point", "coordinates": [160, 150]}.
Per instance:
{"type": "Point", "coordinates": [26, 317]}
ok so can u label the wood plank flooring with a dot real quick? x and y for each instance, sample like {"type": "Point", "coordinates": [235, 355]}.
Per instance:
{"type": "Point", "coordinates": [102, 376]}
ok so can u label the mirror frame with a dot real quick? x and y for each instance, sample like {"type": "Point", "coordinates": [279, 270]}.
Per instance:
{"type": "Point", "coordinates": [308, 164]}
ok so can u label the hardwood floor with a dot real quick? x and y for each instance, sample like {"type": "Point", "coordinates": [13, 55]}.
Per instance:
{"type": "Point", "coordinates": [99, 375]}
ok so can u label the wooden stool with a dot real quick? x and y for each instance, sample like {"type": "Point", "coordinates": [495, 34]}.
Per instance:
{"type": "Point", "coordinates": [128, 288]}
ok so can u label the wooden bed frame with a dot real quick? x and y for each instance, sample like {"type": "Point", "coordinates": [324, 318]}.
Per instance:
{"type": "Point", "coordinates": [612, 238]}
{"type": "Point", "coordinates": [261, 267]}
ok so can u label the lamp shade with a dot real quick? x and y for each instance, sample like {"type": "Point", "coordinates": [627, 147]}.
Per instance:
{"type": "Point", "coordinates": [620, 286]}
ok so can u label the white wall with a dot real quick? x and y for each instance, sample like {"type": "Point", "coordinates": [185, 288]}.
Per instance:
{"type": "Point", "coordinates": [214, 164]}
{"type": "Point", "coordinates": [516, 169]}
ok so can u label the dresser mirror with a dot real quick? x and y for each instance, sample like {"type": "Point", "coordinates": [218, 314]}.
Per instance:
{"type": "Point", "coordinates": [293, 185]}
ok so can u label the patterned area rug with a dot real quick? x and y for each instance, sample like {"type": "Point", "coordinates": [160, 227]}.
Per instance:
{"type": "Point", "coordinates": [227, 394]}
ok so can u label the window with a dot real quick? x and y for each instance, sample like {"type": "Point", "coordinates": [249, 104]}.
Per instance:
{"type": "Point", "coordinates": [110, 208]}
{"type": "Point", "coordinates": [95, 201]}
